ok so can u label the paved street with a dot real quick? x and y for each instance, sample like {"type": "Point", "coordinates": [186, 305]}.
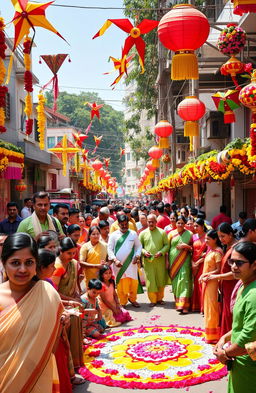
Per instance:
{"type": "Point", "coordinates": [167, 315]}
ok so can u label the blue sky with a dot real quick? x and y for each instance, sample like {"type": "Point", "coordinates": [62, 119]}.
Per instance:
{"type": "Point", "coordinates": [89, 58]}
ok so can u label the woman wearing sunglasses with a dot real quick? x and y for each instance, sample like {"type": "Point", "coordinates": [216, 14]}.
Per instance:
{"type": "Point", "coordinates": [231, 348]}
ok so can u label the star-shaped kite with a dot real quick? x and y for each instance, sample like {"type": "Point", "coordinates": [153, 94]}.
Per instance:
{"type": "Point", "coordinates": [79, 138]}
{"type": "Point", "coordinates": [106, 162]}
{"type": "Point", "coordinates": [97, 140]}
{"type": "Point", "coordinates": [134, 38]}
{"type": "Point", "coordinates": [94, 109]}
{"type": "Point", "coordinates": [122, 152]}
{"type": "Point", "coordinates": [121, 65]}
{"type": "Point", "coordinates": [27, 16]}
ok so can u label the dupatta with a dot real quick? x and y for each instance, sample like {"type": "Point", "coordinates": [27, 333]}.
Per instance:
{"type": "Point", "coordinates": [181, 255]}
{"type": "Point", "coordinates": [28, 331]}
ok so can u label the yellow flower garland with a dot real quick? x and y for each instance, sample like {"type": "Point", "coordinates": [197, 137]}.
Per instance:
{"type": "Point", "coordinates": [41, 119]}
{"type": "Point", "coordinates": [2, 117]}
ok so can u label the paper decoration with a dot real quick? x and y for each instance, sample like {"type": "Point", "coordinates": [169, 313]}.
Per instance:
{"type": "Point", "coordinates": [134, 38]}
{"type": "Point", "coordinates": [64, 150]}
{"type": "Point", "coordinates": [226, 102]}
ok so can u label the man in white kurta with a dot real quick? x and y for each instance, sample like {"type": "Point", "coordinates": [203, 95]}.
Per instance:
{"type": "Point", "coordinates": [124, 249]}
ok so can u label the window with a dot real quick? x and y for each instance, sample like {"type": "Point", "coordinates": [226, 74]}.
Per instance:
{"type": "Point", "coordinates": [22, 116]}
{"type": "Point", "coordinates": [135, 172]}
{"type": "Point", "coordinates": [183, 156]}
{"type": "Point", "coordinates": [59, 138]}
{"type": "Point", "coordinates": [50, 141]}
{"type": "Point", "coordinates": [178, 154]}
{"type": "Point", "coordinates": [128, 156]}
{"type": "Point", "coordinates": [36, 133]}
{"type": "Point", "coordinates": [128, 172]}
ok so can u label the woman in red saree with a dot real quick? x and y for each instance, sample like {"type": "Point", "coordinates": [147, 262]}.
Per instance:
{"type": "Point", "coordinates": [226, 278]}
{"type": "Point", "coordinates": [30, 313]}
{"type": "Point", "coordinates": [199, 252]}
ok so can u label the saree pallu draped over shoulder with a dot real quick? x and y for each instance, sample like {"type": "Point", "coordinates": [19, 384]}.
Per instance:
{"type": "Point", "coordinates": [180, 269]}
{"type": "Point", "coordinates": [28, 331]}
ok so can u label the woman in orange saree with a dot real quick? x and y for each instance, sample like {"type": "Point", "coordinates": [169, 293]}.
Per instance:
{"type": "Point", "coordinates": [226, 277]}
{"type": "Point", "coordinates": [29, 322]}
{"type": "Point", "coordinates": [199, 252]}
{"type": "Point", "coordinates": [211, 264]}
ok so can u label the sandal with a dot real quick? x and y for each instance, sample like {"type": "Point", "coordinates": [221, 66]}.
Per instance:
{"type": "Point", "coordinates": [77, 380]}
{"type": "Point", "coordinates": [161, 302]}
{"type": "Point", "coordinates": [152, 304]}
{"type": "Point", "coordinates": [134, 304]}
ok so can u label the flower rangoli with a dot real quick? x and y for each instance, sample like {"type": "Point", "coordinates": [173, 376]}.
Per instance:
{"type": "Point", "coordinates": [152, 358]}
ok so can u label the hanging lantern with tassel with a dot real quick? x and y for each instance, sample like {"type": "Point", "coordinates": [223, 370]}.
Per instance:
{"type": "Point", "coordinates": [163, 129]}
{"type": "Point", "coordinates": [20, 187]}
{"type": "Point", "coordinates": [183, 30]}
{"type": "Point", "coordinates": [191, 109]}
{"type": "Point", "coordinates": [155, 153]}
{"type": "Point", "coordinates": [247, 97]}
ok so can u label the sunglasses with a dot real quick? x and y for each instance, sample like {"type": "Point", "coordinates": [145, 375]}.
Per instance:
{"type": "Point", "coordinates": [237, 262]}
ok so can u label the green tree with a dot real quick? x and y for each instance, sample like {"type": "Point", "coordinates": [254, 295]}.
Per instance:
{"type": "Point", "coordinates": [110, 125]}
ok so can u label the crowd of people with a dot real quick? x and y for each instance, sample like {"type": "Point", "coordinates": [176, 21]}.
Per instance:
{"type": "Point", "coordinates": [67, 277]}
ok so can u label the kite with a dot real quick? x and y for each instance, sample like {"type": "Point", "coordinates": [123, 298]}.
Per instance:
{"type": "Point", "coordinates": [106, 162]}
{"type": "Point", "coordinates": [27, 16]}
{"type": "Point", "coordinates": [64, 150]}
{"type": "Point", "coordinates": [85, 154]}
{"type": "Point", "coordinates": [122, 152]}
{"type": "Point", "coordinates": [121, 66]}
{"type": "Point", "coordinates": [94, 109]}
{"type": "Point", "coordinates": [226, 102]}
{"type": "Point", "coordinates": [79, 138]}
{"type": "Point", "coordinates": [134, 38]}
{"type": "Point", "coordinates": [54, 62]}
{"type": "Point", "coordinates": [97, 140]}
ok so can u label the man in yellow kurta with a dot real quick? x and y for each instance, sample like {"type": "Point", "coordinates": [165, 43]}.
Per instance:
{"type": "Point", "coordinates": [132, 225]}
{"type": "Point", "coordinates": [154, 247]}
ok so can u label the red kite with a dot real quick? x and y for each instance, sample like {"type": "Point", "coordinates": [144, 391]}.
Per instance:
{"type": "Point", "coordinates": [121, 66]}
{"type": "Point", "coordinates": [27, 16]}
{"type": "Point", "coordinates": [94, 109]}
{"type": "Point", "coordinates": [106, 162]}
{"type": "Point", "coordinates": [134, 38]}
{"type": "Point", "coordinates": [54, 62]}
{"type": "Point", "coordinates": [79, 138]}
{"type": "Point", "coordinates": [97, 140]}
{"type": "Point", "coordinates": [122, 152]}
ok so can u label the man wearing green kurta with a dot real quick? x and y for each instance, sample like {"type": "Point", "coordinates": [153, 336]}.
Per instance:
{"type": "Point", "coordinates": [154, 247]}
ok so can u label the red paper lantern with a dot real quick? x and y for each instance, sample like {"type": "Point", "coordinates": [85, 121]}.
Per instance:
{"type": "Point", "coordinates": [191, 109]}
{"type": "Point", "coordinates": [150, 166]}
{"type": "Point", "coordinates": [163, 129]}
{"type": "Point", "coordinates": [183, 30]}
{"type": "Point", "coordinates": [232, 67]}
{"type": "Point", "coordinates": [247, 97]}
{"type": "Point", "coordinates": [97, 165]}
{"type": "Point", "coordinates": [155, 153]}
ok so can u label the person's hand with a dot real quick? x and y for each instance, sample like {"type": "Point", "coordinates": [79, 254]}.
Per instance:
{"type": "Point", "coordinates": [147, 254]}
{"type": "Point", "coordinates": [118, 263]}
{"type": "Point", "coordinates": [158, 254]}
{"type": "Point", "coordinates": [211, 277]}
{"type": "Point", "coordinates": [219, 345]}
{"type": "Point", "coordinates": [182, 246]}
{"type": "Point", "coordinates": [221, 356]}
{"type": "Point", "coordinates": [65, 319]}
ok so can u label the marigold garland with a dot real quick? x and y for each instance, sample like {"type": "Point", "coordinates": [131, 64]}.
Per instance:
{"type": "Point", "coordinates": [41, 119]}
{"type": "Point", "coordinates": [28, 85]}
{"type": "Point", "coordinates": [240, 159]}
{"type": "Point", "coordinates": [3, 89]}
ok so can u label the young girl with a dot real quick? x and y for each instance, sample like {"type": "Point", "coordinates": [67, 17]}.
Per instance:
{"type": "Point", "coordinates": [93, 323]}
{"type": "Point", "coordinates": [113, 313]}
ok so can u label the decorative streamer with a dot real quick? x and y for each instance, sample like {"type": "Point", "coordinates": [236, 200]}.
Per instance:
{"type": "Point", "coordinates": [41, 120]}
{"type": "Point", "coordinates": [3, 89]}
{"type": "Point", "coordinates": [28, 85]}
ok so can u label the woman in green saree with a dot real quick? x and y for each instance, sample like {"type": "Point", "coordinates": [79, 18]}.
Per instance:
{"type": "Point", "coordinates": [232, 347]}
{"type": "Point", "coordinates": [180, 265]}
{"type": "Point", "coordinates": [65, 279]}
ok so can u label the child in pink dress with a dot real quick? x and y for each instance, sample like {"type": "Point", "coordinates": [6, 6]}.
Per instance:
{"type": "Point", "coordinates": [112, 312]}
